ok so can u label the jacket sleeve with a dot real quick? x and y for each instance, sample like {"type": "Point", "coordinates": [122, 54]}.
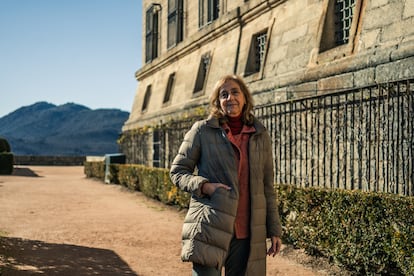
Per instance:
{"type": "Point", "coordinates": [273, 224]}
{"type": "Point", "coordinates": [184, 164]}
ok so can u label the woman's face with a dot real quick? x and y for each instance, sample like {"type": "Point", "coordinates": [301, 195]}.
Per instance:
{"type": "Point", "coordinates": [231, 98]}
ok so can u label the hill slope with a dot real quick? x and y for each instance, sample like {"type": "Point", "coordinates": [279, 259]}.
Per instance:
{"type": "Point", "coordinates": [69, 129]}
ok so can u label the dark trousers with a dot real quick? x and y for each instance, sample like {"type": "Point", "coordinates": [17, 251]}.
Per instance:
{"type": "Point", "coordinates": [236, 261]}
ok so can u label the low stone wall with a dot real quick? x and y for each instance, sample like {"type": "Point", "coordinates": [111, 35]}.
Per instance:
{"type": "Point", "coordinates": [49, 160]}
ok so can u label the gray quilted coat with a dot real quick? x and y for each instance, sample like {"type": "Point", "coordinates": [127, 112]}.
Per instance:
{"type": "Point", "coordinates": [206, 155]}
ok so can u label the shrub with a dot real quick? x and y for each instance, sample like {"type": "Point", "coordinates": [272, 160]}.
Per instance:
{"type": "Point", "coordinates": [128, 176]}
{"type": "Point", "coordinates": [4, 145]}
{"type": "Point", "coordinates": [6, 157]}
{"type": "Point", "coordinates": [6, 163]}
{"type": "Point", "coordinates": [364, 232]}
{"type": "Point", "coordinates": [153, 182]}
{"type": "Point", "coordinates": [95, 170]}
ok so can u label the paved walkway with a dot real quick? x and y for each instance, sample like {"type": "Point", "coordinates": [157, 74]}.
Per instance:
{"type": "Point", "coordinates": [54, 221]}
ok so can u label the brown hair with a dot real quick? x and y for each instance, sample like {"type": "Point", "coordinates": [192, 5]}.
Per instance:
{"type": "Point", "coordinates": [215, 108]}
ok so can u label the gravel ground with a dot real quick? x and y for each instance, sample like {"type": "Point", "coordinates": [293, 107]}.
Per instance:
{"type": "Point", "coordinates": [54, 221]}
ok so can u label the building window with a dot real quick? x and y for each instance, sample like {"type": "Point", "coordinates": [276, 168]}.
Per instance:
{"type": "Point", "coordinates": [202, 73]}
{"type": "Point", "coordinates": [146, 98]}
{"type": "Point", "coordinates": [151, 33]}
{"type": "Point", "coordinates": [257, 53]}
{"type": "Point", "coordinates": [168, 91]}
{"type": "Point", "coordinates": [175, 22]}
{"type": "Point", "coordinates": [338, 24]}
{"type": "Point", "coordinates": [156, 145]}
{"type": "Point", "coordinates": [208, 11]}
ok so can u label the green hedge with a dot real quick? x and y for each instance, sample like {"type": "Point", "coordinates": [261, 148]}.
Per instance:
{"type": "Point", "coordinates": [364, 232]}
{"type": "Point", "coordinates": [94, 170]}
{"type": "Point", "coordinates": [6, 162]}
{"type": "Point", "coordinates": [153, 182]}
{"type": "Point", "coordinates": [367, 233]}
{"type": "Point", "coordinates": [4, 145]}
{"type": "Point", "coordinates": [6, 157]}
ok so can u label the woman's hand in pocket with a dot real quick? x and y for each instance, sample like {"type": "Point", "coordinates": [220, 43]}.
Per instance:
{"type": "Point", "coordinates": [209, 188]}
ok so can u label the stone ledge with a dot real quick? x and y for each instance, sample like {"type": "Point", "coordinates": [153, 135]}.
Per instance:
{"type": "Point", "coordinates": [49, 160]}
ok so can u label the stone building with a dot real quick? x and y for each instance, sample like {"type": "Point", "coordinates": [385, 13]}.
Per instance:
{"type": "Point", "coordinates": [285, 50]}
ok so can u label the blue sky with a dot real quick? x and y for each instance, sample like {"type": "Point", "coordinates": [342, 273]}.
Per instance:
{"type": "Point", "coordinates": [60, 51]}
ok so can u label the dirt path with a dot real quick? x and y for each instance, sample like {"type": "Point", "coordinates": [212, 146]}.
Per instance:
{"type": "Point", "coordinates": [54, 221]}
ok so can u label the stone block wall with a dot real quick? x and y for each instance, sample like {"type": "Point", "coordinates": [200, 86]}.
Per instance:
{"type": "Point", "coordinates": [381, 49]}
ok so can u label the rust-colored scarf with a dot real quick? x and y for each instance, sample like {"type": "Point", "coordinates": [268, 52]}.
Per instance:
{"type": "Point", "coordinates": [235, 124]}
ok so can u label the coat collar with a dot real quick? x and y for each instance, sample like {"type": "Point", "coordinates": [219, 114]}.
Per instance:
{"type": "Point", "coordinates": [215, 123]}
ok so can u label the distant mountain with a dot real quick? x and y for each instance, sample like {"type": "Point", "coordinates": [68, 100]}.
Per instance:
{"type": "Point", "coordinates": [65, 130]}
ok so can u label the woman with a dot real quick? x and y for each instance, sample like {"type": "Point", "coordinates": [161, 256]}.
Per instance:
{"type": "Point", "coordinates": [226, 163]}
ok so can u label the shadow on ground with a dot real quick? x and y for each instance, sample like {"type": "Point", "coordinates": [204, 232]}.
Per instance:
{"type": "Point", "coordinates": [24, 172]}
{"type": "Point", "coordinates": [29, 257]}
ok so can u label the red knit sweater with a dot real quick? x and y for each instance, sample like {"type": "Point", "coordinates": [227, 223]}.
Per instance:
{"type": "Point", "coordinates": [238, 135]}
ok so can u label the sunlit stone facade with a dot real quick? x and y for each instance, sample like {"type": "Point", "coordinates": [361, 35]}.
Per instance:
{"type": "Point", "coordinates": [283, 49]}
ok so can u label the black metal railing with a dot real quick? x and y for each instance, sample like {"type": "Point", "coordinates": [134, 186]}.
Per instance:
{"type": "Point", "coordinates": [356, 139]}
{"type": "Point", "coordinates": [360, 138]}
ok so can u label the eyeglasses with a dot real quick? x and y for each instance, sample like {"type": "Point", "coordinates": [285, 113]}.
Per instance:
{"type": "Point", "coordinates": [225, 94]}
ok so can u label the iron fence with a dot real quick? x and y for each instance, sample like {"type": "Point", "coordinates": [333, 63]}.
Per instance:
{"type": "Point", "coordinates": [355, 139]}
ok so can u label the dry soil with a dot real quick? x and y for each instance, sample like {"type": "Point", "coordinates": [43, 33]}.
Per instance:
{"type": "Point", "coordinates": [54, 221]}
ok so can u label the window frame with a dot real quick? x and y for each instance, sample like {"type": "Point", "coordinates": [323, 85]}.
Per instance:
{"type": "Point", "coordinates": [156, 148]}
{"type": "Point", "coordinates": [332, 51]}
{"type": "Point", "coordinates": [208, 12]}
{"type": "Point", "coordinates": [147, 98]}
{"type": "Point", "coordinates": [202, 74]}
{"type": "Point", "coordinates": [151, 32]}
{"type": "Point", "coordinates": [169, 89]}
{"type": "Point", "coordinates": [251, 67]}
{"type": "Point", "coordinates": [175, 14]}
